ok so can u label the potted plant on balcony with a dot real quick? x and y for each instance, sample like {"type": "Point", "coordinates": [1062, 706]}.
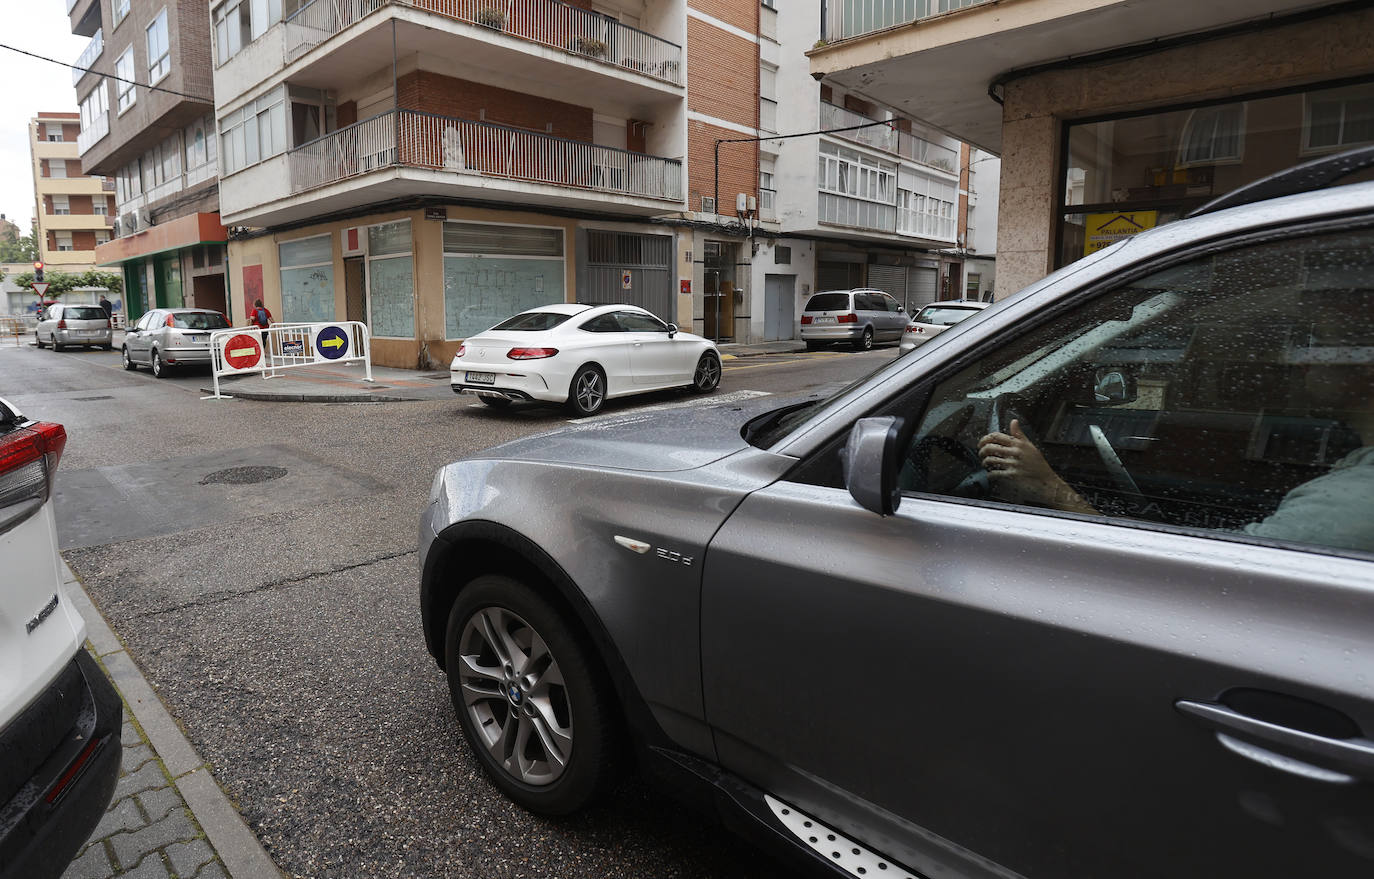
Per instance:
{"type": "Point", "coordinates": [589, 46]}
{"type": "Point", "coordinates": [492, 17]}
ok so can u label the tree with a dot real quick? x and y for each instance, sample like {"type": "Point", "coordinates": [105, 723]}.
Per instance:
{"type": "Point", "coordinates": [19, 250]}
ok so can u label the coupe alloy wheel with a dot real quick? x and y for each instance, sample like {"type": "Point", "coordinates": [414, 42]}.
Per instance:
{"type": "Point", "coordinates": [707, 375]}
{"type": "Point", "coordinates": [588, 391]}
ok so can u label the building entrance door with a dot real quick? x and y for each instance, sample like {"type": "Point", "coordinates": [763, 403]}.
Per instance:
{"type": "Point", "coordinates": [779, 307]}
{"type": "Point", "coordinates": [718, 297]}
{"type": "Point", "coordinates": [355, 289]}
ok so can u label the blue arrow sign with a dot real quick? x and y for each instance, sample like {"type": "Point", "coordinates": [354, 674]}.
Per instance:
{"type": "Point", "coordinates": [331, 342]}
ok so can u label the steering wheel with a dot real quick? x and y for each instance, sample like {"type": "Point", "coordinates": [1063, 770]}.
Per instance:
{"type": "Point", "coordinates": [1112, 461]}
{"type": "Point", "coordinates": [1004, 412]}
{"type": "Point", "coordinates": [974, 485]}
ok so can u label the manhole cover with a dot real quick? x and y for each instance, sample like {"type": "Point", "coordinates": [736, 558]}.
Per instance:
{"type": "Point", "coordinates": [244, 475]}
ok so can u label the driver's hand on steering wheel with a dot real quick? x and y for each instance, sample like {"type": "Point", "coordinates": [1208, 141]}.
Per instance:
{"type": "Point", "coordinates": [1019, 473]}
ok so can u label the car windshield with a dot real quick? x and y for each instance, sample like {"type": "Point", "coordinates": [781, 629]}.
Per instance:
{"type": "Point", "coordinates": [533, 320]}
{"type": "Point", "coordinates": [943, 315]}
{"type": "Point", "coordinates": [84, 312]}
{"type": "Point", "coordinates": [199, 320]}
{"type": "Point", "coordinates": [828, 302]}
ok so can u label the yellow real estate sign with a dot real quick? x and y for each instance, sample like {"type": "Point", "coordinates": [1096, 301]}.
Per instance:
{"type": "Point", "coordinates": [1101, 230]}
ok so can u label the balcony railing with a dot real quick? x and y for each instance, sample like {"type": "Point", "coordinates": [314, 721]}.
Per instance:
{"type": "Point", "coordinates": [550, 23]}
{"type": "Point", "coordinates": [853, 18]}
{"type": "Point", "coordinates": [888, 139]}
{"type": "Point", "coordinates": [91, 135]}
{"type": "Point", "coordinates": [92, 52]}
{"type": "Point", "coordinates": [421, 140]}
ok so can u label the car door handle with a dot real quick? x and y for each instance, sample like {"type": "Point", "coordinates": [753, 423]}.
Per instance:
{"type": "Point", "coordinates": [1335, 760]}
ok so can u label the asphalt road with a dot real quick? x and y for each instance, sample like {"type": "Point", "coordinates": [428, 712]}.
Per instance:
{"type": "Point", "coordinates": [278, 619]}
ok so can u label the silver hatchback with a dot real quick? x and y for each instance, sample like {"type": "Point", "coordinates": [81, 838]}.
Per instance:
{"type": "Point", "coordinates": [62, 325]}
{"type": "Point", "coordinates": [854, 317]}
{"type": "Point", "coordinates": [170, 337]}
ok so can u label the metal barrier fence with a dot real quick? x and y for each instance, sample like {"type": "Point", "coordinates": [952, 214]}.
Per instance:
{"type": "Point", "coordinates": [250, 350]}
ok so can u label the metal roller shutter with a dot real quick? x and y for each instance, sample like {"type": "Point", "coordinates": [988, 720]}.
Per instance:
{"type": "Point", "coordinates": [889, 279]}
{"type": "Point", "coordinates": [921, 287]}
{"type": "Point", "coordinates": [838, 276]}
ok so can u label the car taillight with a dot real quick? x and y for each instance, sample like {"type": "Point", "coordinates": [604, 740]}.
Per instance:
{"type": "Point", "coordinates": [912, 328]}
{"type": "Point", "coordinates": [28, 461]}
{"type": "Point", "coordinates": [850, 318]}
{"type": "Point", "coordinates": [62, 324]}
{"type": "Point", "coordinates": [462, 349]}
{"type": "Point", "coordinates": [530, 353]}
{"type": "Point", "coordinates": [806, 319]}
{"type": "Point", "coordinates": [108, 324]}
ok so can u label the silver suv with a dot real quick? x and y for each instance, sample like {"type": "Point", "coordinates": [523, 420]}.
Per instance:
{"type": "Point", "coordinates": [1083, 587]}
{"type": "Point", "coordinates": [855, 317]}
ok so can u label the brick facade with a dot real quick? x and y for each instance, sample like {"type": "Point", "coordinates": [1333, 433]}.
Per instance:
{"type": "Point", "coordinates": [739, 166]}
{"type": "Point", "coordinates": [743, 14]}
{"type": "Point", "coordinates": [723, 83]}
{"type": "Point", "coordinates": [154, 113]}
{"type": "Point", "coordinates": [463, 99]}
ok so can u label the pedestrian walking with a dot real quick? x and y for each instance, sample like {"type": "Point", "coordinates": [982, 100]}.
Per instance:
{"type": "Point", "coordinates": [106, 304]}
{"type": "Point", "coordinates": [261, 318]}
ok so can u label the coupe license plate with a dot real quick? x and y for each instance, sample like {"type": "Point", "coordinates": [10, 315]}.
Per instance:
{"type": "Point", "coordinates": [825, 321]}
{"type": "Point", "coordinates": [482, 378]}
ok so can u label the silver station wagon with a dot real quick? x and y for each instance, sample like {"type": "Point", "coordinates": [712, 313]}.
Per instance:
{"type": "Point", "coordinates": [1081, 588]}
{"type": "Point", "coordinates": [165, 338]}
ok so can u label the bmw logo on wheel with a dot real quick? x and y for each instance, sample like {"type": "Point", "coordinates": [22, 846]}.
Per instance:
{"type": "Point", "coordinates": [514, 693]}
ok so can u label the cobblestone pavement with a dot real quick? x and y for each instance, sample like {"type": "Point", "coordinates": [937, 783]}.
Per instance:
{"type": "Point", "coordinates": [168, 817]}
{"type": "Point", "coordinates": [148, 832]}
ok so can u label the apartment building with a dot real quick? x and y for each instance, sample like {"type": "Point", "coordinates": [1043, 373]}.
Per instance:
{"type": "Point", "coordinates": [875, 199]}
{"type": "Point", "coordinates": [147, 121]}
{"type": "Point", "coordinates": [71, 207]}
{"type": "Point", "coordinates": [1111, 116]}
{"type": "Point", "coordinates": [432, 166]}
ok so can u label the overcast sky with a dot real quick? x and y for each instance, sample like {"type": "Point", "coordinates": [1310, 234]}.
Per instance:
{"type": "Point", "coordinates": [28, 86]}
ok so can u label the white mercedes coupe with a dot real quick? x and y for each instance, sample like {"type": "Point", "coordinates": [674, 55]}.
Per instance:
{"type": "Point", "coordinates": [582, 355]}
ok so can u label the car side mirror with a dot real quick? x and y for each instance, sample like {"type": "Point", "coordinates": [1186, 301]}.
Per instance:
{"type": "Point", "coordinates": [1115, 387]}
{"type": "Point", "coordinates": [672, 330]}
{"type": "Point", "coordinates": [872, 459]}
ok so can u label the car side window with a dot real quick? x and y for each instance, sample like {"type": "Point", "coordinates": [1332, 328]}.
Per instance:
{"type": "Point", "coordinates": [863, 302]}
{"type": "Point", "coordinates": [635, 322]}
{"type": "Point", "coordinates": [603, 323]}
{"type": "Point", "coordinates": [891, 304]}
{"type": "Point", "coordinates": [1232, 393]}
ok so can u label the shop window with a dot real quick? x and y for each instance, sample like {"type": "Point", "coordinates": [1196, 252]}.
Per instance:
{"type": "Point", "coordinates": [307, 279]}
{"type": "Point", "coordinates": [493, 271]}
{"type": "Point", "coordinates": [1339, 120]}
{"type": "Point", "coordinates": [390, 280]}
{"type": "Point", "coordinates": [1213, 134]}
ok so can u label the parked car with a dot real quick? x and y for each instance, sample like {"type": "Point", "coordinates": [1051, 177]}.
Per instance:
{"type": "Point", "coordinates": [60, 719]}
{"type": "Point", "coordinates": [171, 337]}
{"type": "Point", "coordinates": [582, 355]}
{"type": "Point", "coordinates": [858, 317]}
{"type": "Point", "coordinates": [1084, 587]}
{"type": "Point", "coordinates": [62, 324]}
{"type": "Point", "coordinates": [934, 319]}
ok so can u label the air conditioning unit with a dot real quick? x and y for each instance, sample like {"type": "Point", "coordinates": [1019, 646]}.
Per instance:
{"type": "Point", "coordinates": [145, 218]}
{"type": "Point", "coordinates": [116, 228]}
{"type": "Point", "coordinates": [129, 223]}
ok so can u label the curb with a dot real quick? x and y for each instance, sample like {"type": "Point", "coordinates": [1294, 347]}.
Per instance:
{"type": "Point", "coordinates": [268, 397]}
{"type": "Point", "coordinates": [238, 849]}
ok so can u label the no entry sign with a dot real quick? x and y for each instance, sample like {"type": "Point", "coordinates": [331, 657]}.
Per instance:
{"type": "Point", "coordinates": [242, 351]}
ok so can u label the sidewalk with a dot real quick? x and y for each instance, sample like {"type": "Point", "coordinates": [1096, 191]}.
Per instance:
{"type": "Point", "coordinates": [345, 384]}
{"type": "Point", "coordinates": [168, 817]}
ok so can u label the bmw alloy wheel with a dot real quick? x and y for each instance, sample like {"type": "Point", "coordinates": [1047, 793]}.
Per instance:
{"type": "Point", "coordinates": [515, 696]}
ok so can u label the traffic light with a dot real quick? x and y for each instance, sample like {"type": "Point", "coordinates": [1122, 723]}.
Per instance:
{"type": "Point", "coordinates": [38, 270]}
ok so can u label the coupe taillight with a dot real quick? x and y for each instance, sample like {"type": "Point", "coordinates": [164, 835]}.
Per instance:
{"type": "Point", "coordinates": [28, 461]}
{"type": "Point", "coordinates": [806, 319]}
{"type": "Point", "coordinates": [530, 353]}
{"type": "Point", "coordinates": [462, 349]}
{"type": "Point", "coordinates": [850, 318]}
